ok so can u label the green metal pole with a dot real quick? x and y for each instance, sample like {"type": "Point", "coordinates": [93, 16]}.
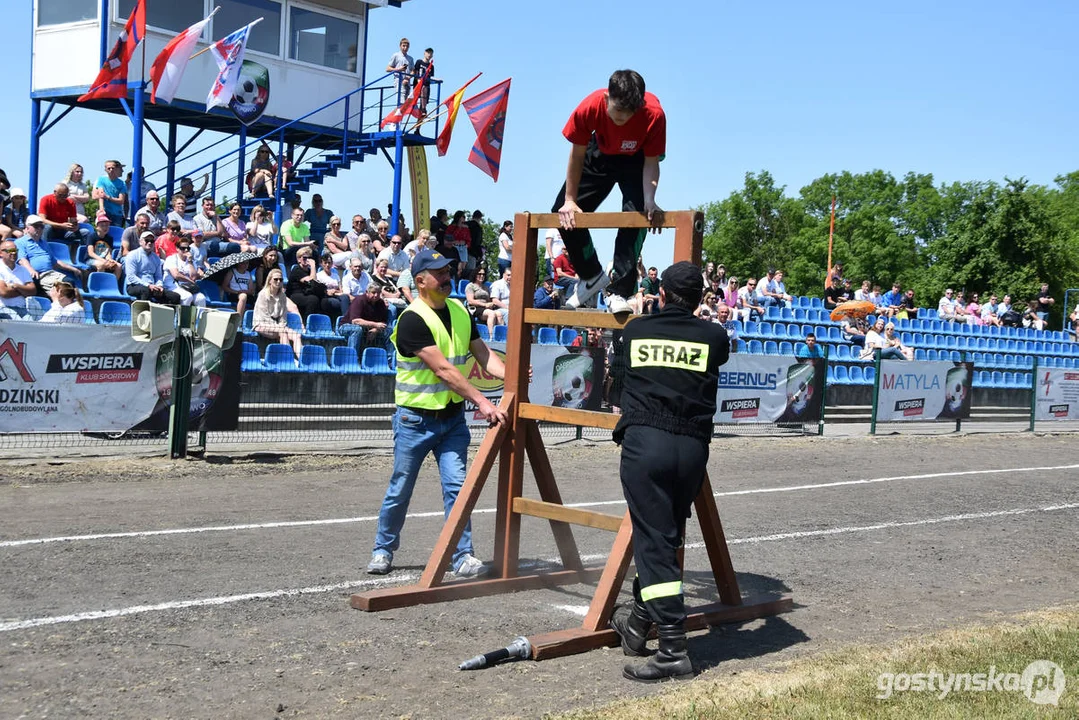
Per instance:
{"type": "Point", "coordinates": [876, 391]}
{"type": "Point", "coordinates": [1033, 393]}
{"type": "Point", "coordinates": [180, 412]}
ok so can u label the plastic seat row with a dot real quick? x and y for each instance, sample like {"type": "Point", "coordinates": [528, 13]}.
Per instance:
{"type": "Point", "coordinates": [313, 360]}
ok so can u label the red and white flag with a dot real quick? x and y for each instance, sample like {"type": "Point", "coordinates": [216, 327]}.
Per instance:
{"type": "Point", "coordinates": [487, 111]}
{"type": "Point", "coordinates": [170, 64]}
{"type": "Point", "coordinates": [229, 54]}
{"type": "Point", "coordinates": [408, 109]}
{"type": "Point", "coordinates": [111, 80]}
{"type": "Point", "coordinates": [452, 105]}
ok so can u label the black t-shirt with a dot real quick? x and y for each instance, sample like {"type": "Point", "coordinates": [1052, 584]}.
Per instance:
{"type": "Point", "coordinates": [1043, 304]}
{"type": "Point", "coordinates": [413, 334]}
{"type": "Point", "coordinates": [835, 295]}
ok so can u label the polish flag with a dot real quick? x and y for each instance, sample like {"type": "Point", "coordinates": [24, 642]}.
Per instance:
{"type": "Point", "coordinates": [169, 66]}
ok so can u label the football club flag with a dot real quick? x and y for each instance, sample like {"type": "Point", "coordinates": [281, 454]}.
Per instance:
{"type": "Point", "coordinates": [487, 111]}
{"type": "Point", "coordinates": [228, 52]}
{"type": "Point", "coordinates": [111, 80]}
{"type": "Point", "coordinates": [169, 66]}
{"type": "Point", "coordinates": [453, 104]}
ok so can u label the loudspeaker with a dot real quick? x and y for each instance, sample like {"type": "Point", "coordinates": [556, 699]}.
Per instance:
{"type": "Point", "coordinates": [218, 327]}
{"type": "Point", "coordinates": [149, 320]}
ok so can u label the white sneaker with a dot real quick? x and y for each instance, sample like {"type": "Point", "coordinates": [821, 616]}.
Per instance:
{"type": "Point", "coordinates": [617, 304]}
{"type": "Point", "coordinates": [471, 567]}
{"type": "Point", "coordinates": [586, 290]}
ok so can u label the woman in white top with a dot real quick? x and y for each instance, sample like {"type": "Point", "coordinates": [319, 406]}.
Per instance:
{"type": "Point", "coordinates": [239, 282]}
{"type": "Point", "coordinates": [337, 244]}
{"type": "Point", "coordinates": [271, 312]}
{"type": "Point", "coordinates": [66, 307]}
{"type": "Point", "coordinates": [874, 339]}
{"type": "Point", "coordinates": [260, 229]}
{"type": "Point", "coordinates": [181, 274]}
{"type": "Point", "coordinates": [505, 247]}
{"type": "Point", "coordinates": [77, 191]}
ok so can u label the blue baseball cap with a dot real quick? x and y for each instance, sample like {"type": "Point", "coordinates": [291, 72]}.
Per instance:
{"type": "Point", "coordinates": [428, 260]}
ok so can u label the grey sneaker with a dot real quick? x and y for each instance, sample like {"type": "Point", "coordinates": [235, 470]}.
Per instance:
{"type": "Point", "coordinates": [586, 290]}
{"type": "Point", "coordinates": [617, 304]}
{"type": "Point", "coordinates": [470, 567]}
{"type": "Point", "coordinates": [380, 564]}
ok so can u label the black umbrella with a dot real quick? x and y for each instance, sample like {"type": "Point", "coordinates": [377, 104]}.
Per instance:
{"type": "Point", "coordinates": [232, 260]}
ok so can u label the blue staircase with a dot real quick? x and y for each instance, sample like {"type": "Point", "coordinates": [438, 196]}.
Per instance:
{"type": "Point", "coordinates": [317, 151]}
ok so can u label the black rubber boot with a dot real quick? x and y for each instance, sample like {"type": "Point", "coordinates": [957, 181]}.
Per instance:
{"type": "Point", "coordinates": [632, 624]}
{"type": "Point", "coordinates": [670, 663]}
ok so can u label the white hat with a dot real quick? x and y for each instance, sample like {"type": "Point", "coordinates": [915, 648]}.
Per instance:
{"type": "Point", "coordinates": [16, 192]}
{"type": "Point", "coordinates": [35, 220]}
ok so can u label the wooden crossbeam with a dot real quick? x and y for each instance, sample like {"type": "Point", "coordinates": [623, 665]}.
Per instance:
{"type": "Point", "coordinates": [578, 318]}
{"type": "Point", "coordinates": [575, 516]}
{"type": "Point", "coordinates": [611, 220]}
{"type": "Point", "coordinates": [568, 416]}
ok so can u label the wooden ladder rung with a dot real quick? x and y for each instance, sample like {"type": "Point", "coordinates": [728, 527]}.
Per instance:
{"type": "Point", "coordinates": [610, 220]}
{"type": "Point", "coordinates": [567, 416]}
{"type": "Point", "coordinates": [561, 513]}
{"type": "Point", "coordinates": [578, 318]}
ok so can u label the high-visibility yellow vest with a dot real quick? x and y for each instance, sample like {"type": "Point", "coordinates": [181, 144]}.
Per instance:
{"type": "Point", "coordinates": [417, 385]}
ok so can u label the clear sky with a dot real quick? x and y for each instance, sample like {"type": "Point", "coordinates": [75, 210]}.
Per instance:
{"type": "Point", "coordinates": [963, 89]}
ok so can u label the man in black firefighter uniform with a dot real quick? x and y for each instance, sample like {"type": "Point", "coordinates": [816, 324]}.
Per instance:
{"type": "Point", "coordinates": [671, 369]}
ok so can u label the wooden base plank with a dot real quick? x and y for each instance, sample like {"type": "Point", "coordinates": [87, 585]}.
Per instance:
{"type": "Point", "coordinates": [561, 513]}
{"type": "Point", "coordinates": [577, 640]}
{"type": "Point", "coordinates": [395, 597]}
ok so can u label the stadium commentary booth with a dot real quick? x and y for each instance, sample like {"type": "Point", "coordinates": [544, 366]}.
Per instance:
{"type": "Point", "coordinates": [309, 55]}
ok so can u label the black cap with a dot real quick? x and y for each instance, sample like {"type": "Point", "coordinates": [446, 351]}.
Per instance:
{"type": "Point", "coordinates": [428, 260]}
{"type": "Point", "coordinates": [684, 280]}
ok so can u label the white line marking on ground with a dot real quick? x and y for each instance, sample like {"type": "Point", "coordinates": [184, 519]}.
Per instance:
{"type": "Point", "coordinates": [487, 511]}
{"type": "Point", "coordinates": [400, 578]}
{"type": "Point", "coordinates": [202, 602]}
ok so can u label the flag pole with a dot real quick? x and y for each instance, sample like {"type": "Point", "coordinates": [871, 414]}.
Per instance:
{"type": "Point", "coordinates": [831, 234]}
{"type": "Point", "coordinates": [200, 52]}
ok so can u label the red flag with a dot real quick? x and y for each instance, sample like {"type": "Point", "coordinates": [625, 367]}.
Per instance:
{"type": "Point", "coordinates": [409, 108]}
{"type": "Point", "coordinates": [487, 111]}
{"type": "Point", "coordinates": [170, 64]}
{"type": "Point", "coordinates": [454, 104]}
{"type": "Point", "coordinates": [111, 80]}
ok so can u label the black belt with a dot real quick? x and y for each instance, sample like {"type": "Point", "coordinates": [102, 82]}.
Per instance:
{"type": "Point", "coordinates": [450, 411]}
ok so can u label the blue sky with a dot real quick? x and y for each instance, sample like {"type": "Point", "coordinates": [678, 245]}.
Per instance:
{"type": "Point", "coordinates": [963, 90]}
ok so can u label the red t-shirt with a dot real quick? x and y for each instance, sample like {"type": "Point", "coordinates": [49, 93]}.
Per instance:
{"type": "Point", "coordinates": [166, 245]}
{"type": "Point", "coordinates": [55, 209]}
{"type": "Point", "coordinates": [646, 129]}
{"type": "Point", "coordinates": [562, 263]}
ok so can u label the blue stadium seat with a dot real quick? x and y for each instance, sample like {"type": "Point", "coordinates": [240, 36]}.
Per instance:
{"type": "Point", "coordinates": [787, 314]}
{"type": "Point", "coordinates": [114, 312]}
{"type": "Point", "coordinates": [459, 290]}
{"type": "Point", "coordinates": [313, 359]}
{"type": "Point", "coordinates": [117, 235]}
{"type": "Point", "coordinates": [834, 335]}
{"type": "Point", "coordinates": [343, 359]}
{"type": "Point", "coordinates": [773, 313]}
{"type": "Point", "coordinates": [38, 306]}
{"type": "Point", "coordinates": [319, 326]}
{"type": "Point", "coordinates": [799, 347]}
{"type": "Point", "coordinates": [786, 348]}
{"type": "Point", "coordinates": [997, 379]}
{"type": "Point", "coordinates": [816, 302]}
{"type": "Point", "coordinates": [741, 346]}
{"type": "Point", "coordinates": [842, 375]}
{"type": "Point", "coordinates": [82, 258]}
{"type": "Point", "coordinates": [919, 354]}
{"type": "Point", "coordinates": [280, 358]}
{"type": "Point", "coordinates": [843, 352]}
{"type": "Point", "coordinates": [751, 328]}
{"type": "Point", "coordinates": [251, 362]}
{"type": "Point", "coordinates": [856, 375]}
{"type": "Point", "coordinates": [212, 291]}
{"type": "Point", "coordinates": [294, 321]}
{"type": "Point", "coordinates": [500, 333]}
{"type": "Point", "coordinates": [829, 378]}
{"type": "Point", "coordinates": [375, 362]}
{"type": "Point", "coordinates": [1009, 379]}
{"type": "Point", "coordinates": [800, 314]}
{"type": "Point", "coordinates": [870, 375]}
{"type": "Point", "coordinates": [62, 252]}
{"type": "Point", "coordinates": [567, 336]}
{"type": "Point", "coordinates": [756, 347]}
{"type": "Point", "coordinates": [779, 331]}
{"type": "Point", "coordinates": [484, 334]}
{"type": "Point", "coordinates": [247, 327]}
{"type": "Point", "coordinates": [821, 332]}
{"type": "Point", "coordinates": [955, 356]}
{"type": "Point", "coordinates": [547, 336]}
{"type": "Point", "coordinates": [764, 329]}
{"type": "Point", "coordinates": [981, 379]}
{"type": "Point", "coordinates": [770, 347]}
{"type": "Point", "coordinates": [103, 286]}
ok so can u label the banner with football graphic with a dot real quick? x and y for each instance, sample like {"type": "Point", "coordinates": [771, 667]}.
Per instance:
{"type": "Point", "coordinates": [923, 390]}
{"type": "Point", "coordinates": [769, 389]}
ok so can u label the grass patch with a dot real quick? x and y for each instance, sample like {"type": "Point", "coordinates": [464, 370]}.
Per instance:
{"type": "Point", "coordinates": [843, 685]}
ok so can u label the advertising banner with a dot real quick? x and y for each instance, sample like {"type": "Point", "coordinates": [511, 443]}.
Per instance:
{"type": "Point", "coordinates": [74, 378]}
{"type": "Point", "coordinates": [568, 377]}
{"type": "Point", "coordinates": [768, 389]}
{"type": "Point", "coordinates": [1057, 394]}
{"type": "Point", "coordinates": [924, 390]}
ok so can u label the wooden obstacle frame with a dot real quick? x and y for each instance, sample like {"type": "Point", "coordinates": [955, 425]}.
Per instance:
{"type": "Point", "coordinates": [520, 437]}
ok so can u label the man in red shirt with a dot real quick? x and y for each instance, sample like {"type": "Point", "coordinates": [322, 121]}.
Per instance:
{"type": "Point", "coordinates": [618, 137]}
{"type": "Point", "coordinates": [61, 219]}
{"type": "Point", "coordinates": [565, 276]}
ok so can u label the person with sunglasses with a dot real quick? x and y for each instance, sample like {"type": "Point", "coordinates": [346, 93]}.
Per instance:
{"type": "Point", "coordinates": [144, 273]}
{"type": "Point", "coordinates": [15, 283]}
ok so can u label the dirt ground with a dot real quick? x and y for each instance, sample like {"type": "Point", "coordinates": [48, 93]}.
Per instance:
{"type": "Point", "coordinates": [138, 588]}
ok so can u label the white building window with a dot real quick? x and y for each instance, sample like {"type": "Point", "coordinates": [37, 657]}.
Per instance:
{"type": "Point", "coordinates": [234, 14]}
{"type": "Point", "coordinates": [174, 16]}
{"type": "Point", "coordinates": [322, 39]}
{"type": "Point", "coordinates": [58, 12]}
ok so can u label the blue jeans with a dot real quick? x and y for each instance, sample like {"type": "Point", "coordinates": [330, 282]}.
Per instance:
{"type": "Point", "coordinates": [414, 436]}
